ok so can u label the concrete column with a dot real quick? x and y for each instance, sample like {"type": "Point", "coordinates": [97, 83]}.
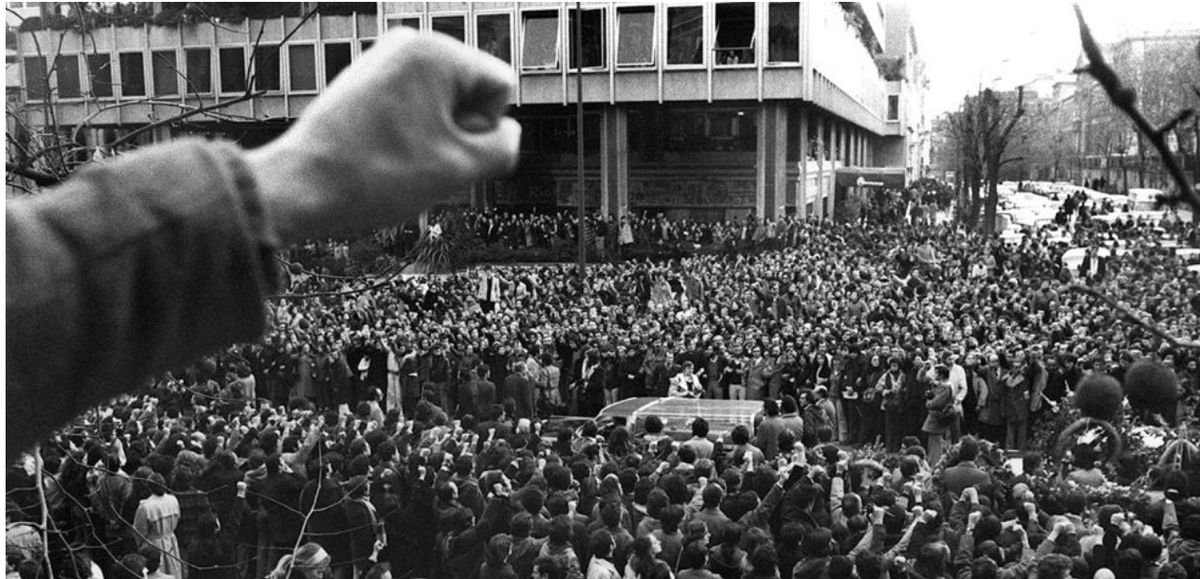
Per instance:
{"type": "Point", "coordinates": [606, 152]}
{"type": "Point", "coordinates": [614, 166]}
{"type": "Point", "coordinates": [762, 156]}
{"type": "Point", "coordinates": [479, 194]}
{"type": "Point", "coordinates": [844, 141]}
{"type": "Point", "coordinates": [771, 160]}
{"type": "Point", "coordinates": [780, 132]}
{"type": "Point", "coordinates": [818, 210]}
{"type": "Point", "coordinates": [802, 187]}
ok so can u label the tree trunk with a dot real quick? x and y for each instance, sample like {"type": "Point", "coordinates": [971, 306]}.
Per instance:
{"type": "Point", "coordinates": [993, 199]}
{"type": "Point", "coordinates": [972, 220]}
{"type": "Point", "coordinates": [1124, 174]}
{"type": "Point", "coordinates": [1141, 162]}
{"type": "Point", "coordinates": [1196, 156]}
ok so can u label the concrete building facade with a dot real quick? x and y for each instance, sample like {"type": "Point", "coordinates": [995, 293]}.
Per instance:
{"type": "Point", "coordinates": [708, 110]}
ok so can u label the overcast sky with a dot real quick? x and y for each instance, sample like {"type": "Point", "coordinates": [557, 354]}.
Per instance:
{"type": "Point", "coordinates": [1003, 44]}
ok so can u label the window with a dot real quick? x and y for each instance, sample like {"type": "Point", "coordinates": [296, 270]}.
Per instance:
{"type": "Point", "coordinates": [302, 67]}
{"type": "Point", "coordinates": [592, 44]}
{"type": "Point", "coordinates": [100, 74]}
{"type": "Point", "coordinates": [685, 35]}
{"type": "Point", "coordinates": [199, 70]}
{"type": "Point", "coordinates": [735, 34]}
{"type": "Point", "coordinates": [540, 40]}
{"type": "Point", "coordinates": [266, 68]}
{"type": "Point", "coordinates": [133, 74]}
{"type": "Point", "coordinates": [233, 70]}
{"type": "Point", "coordinates": [37, 81]}
{"type": "Point", "coordinates": [337, 57]}
{"type": "Point", "coordinates": [893, 113]}
{"type": "Point", "coordinates": [166, 76]}
{"type": "Point", "coordinates": [721, 130]}
{"type": "Point", "coordinates": [635, 36]}
{"type": "Point", "coordinates": [66, 71]}
{"type": "Point", "coordinates": [412, 22]}
{"type": "Point", "coordinates": [495, 35]}
{"type": "Point", "coordinates": [783, 32]}
{"type": "Point", "coordinates": [452, 26]}
{"type": "Point", "coordinates": [556, 135]}
{"type": "Point", "coordinates": [366, 45]}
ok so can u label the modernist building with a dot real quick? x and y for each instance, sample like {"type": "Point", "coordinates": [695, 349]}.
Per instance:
{"type": "Point", "coordinates": [703, 109]}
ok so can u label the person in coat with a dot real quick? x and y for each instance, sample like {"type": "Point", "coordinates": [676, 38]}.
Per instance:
{"type": "Point", "coordinates": [154, 525]}
{"type": "Point", "coordinates": [519, 387]}
{"type": "Point", "coordinates": [939, 404]}
{"type": "Point", "coordinates": [1016, 384]}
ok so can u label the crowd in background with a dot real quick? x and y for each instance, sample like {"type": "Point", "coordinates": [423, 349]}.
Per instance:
{"type": "Point", "coordinates": [399, 420]}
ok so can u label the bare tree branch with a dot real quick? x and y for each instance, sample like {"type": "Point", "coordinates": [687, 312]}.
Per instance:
{"type": "Point", "coordinates": [1125, 99]}
{"type": "Point", "coordinates": [41, 178]}
{"type": "Point", "coordinates": [1170, 125]}
{"type": "Point", "coordinates": [204, 109]}
{"type": "Point", "coordinates": [1134, 318]}
{"type": "Point", "coordinates": [45, 507]}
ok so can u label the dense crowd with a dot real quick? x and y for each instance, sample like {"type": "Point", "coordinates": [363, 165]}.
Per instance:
{"type": "Point", "coordinates": [638, 233]}
{"type": "Point", "coordinates": [397, 426]}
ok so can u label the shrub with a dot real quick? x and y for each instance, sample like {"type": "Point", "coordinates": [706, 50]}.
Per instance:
{"type": "Point", "coordinates": [1099, 396]}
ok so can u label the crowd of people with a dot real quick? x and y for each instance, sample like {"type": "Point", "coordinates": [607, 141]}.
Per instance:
{"type": "Point", "coordinates": [637, 234]}
{"type": "Point", "coordinates": [398, 426]}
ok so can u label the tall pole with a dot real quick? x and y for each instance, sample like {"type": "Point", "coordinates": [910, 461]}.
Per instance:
{"type": "Point", "coordinates": [577, 52]}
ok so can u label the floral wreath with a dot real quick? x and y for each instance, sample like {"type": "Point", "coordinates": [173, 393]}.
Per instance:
{"type": "Point", "coordinates": [1101, 435]}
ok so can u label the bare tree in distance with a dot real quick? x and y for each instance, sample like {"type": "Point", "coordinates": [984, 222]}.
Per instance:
{"type": "Point", "coordinates": [981, 131]}
{"type": "Point", "coordinates": [1125, 98]}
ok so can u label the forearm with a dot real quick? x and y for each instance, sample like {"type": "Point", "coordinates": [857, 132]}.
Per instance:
{"type": "Point", "coordinates": [864, 544]}
{"type": "Point", "coordinates": [134, 266]}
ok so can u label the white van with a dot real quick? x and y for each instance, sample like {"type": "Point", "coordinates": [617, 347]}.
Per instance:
{"type": "Point", "coordinates": [1145, 199]}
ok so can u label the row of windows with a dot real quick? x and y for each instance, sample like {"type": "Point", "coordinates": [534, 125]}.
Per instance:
{"type": "Point", "coordinates": [735, 36]}
{"type": "Point", "coordinates": [188, 71]}
{"type": "Point", "coordinates": [192, 71]}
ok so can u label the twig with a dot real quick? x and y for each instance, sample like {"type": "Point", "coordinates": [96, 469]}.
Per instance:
{"type": "Point", "coordinates": [41, 178]}
{"type": "Point", "coordinates": [374, 286]}
{"type": "Point", "coordinates": [41, 491]}
{"type": "Point", "coordinates": [1125, 99]}
{"type": "Point", "coordinates": [1134, 318]}
{"type": "Point", "coordinates": [200, 110]}
{"type": "Point", "coordinates": [1170, 125]}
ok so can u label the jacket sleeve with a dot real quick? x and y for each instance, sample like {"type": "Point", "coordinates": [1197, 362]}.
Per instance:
{"type": "Point", "coordinates": [132, 267]}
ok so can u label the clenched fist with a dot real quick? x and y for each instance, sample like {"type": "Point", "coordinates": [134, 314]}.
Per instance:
{"type": "Point", "coordinates": [418, 117]}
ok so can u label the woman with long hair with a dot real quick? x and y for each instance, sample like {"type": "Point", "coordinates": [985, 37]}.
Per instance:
{"type": "Point", "coordinates": [310, 561]}
{"type": "Point", "coordinates": [495, 559]}
{"type": "Point", "coordinates": [644, 562]}
{"type": "Point", "coordinates": [601, 565]}
{"type": "Point", "coordinates": [871, 400]}
{"type": "Point", "coordinates": [619, 444]}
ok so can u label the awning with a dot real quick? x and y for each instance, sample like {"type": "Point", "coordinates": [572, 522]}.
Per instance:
{"type": "Point", "coordinates": [878, 177]}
